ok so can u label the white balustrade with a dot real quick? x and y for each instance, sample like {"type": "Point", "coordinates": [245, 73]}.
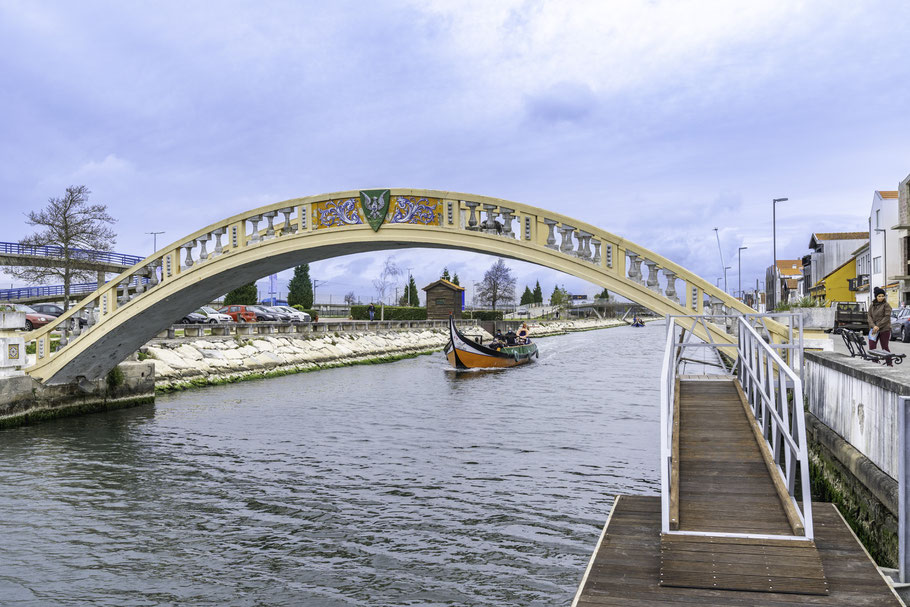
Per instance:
{"type": "Point", "coordinates": [566, 231]}
{"type": "Point", "coordinates": [551, 236]}
{"type": "Point", "coordinates": [288, 228]}
{"type": "Point", "coordinates": [490, 222]}
{"type": "Point", "coordinates": [472, 220]}
{"type": "Point", "coordinates": [270, 231]}
{"type": "Point", "coordinates": [584, 245]}
{"type": "Point", "coordinates": [254, 234]}
{"type": "Point", "coordinates": [652, 275]}
{"type": "Point", "coordinates": [507, 222]}
{"type": "Point", "coordinates": [218, 233]}
{"type": "Point", "coordinates": [596, 243]}
{"type": "Point", "coordinates": [634, 267]}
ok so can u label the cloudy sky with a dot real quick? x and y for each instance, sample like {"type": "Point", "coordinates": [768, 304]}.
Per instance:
{"type": "Point", "coordinates": [657, 121]}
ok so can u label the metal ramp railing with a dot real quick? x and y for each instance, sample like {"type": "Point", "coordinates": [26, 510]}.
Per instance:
{"type": "Point", "coordinates": [774, 395]}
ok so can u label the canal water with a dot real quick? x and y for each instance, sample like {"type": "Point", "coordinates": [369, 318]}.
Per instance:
{"type": "Point", "coordinates": [394, 484]}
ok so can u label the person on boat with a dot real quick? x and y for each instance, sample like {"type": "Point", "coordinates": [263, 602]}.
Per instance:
{"type": "Point", "coordinates": [523, 334]}
{"type": "Point", "coordinates": [511, 338]}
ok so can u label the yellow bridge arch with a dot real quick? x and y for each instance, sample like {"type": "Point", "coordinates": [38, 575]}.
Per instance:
{"type": "Point", "coordinates": [145, 299]}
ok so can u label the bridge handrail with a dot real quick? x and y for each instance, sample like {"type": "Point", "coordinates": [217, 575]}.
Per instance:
{"type": "Point", "coordinates": [757, 363]}
{"type": "Point", "coordinates": [51, 290]}
{"type": "Point", "coordinates": [58, 252]}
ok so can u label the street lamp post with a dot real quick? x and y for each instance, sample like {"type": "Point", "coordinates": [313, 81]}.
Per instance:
{"type": "Point", "coordinates": [774, 244]}
{"type": "Point", "coordinates": [884, 256]}
{"type": "Point", "coordinates": [739, 270]}
{"type": "Point", "coordinates": [725, 277]}
{"type": "Point", "coordinates": [722, 264]}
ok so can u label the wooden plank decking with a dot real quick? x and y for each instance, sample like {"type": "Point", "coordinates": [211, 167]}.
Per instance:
{"type": "Point", "coordinates": [626, 566]}
{"type": "Point", "coordinates": [724, 485]}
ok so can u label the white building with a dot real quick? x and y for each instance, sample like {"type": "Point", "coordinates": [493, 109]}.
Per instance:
{"type": "Point", "coordinates": [884, 241]}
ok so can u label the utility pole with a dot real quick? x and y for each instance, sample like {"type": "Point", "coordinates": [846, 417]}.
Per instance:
{"type": "Point", "coordinates": [154, 240]}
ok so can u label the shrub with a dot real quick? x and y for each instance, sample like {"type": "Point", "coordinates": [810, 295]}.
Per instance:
{"type": "Point", "coordinates": [115, 378]}
{"type": "Point", "coordinates": [483, 315]}
{"type": "Point", "coordinates": [391, 313]}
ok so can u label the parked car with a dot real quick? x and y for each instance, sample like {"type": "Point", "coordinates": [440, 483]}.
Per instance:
{"type": "Point", "coordinates": [52, 309]}
{"type": "Point", "coordinates": [192, 319]}
{"type": "Point", "coordinates": [280, 313]}
{"type": "Point", "coordinates": [239, 313]}
{"type": "Point", "coordinates": [262, 314]}
{"type": "Point", "coordinates": [900, 325]}
{"type": "Point", "coordinates": [213, 316]}
{"type": "Point", "coordinates": [33, 318]}
{"type": "Point", "coordinates": [295, 314]}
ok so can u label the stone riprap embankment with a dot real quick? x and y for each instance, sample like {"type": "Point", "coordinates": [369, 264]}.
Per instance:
{"type": "Point", "coordinates": [183, 363]}
{"type": "Point", "coordinates": [187, 362]}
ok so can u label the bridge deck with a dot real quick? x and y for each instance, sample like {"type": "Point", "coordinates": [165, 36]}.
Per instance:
{"type": "Point", "coordinates": [625, 569]}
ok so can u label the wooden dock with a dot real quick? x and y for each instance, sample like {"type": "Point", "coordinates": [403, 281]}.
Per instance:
{"type": "Point", "coordinates": [723, 483]}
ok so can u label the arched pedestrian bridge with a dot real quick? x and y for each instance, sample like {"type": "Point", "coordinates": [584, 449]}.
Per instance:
{"type": "Point", "coordinates": [237, 250]}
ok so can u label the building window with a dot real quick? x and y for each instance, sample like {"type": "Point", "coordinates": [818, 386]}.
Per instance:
{"type": "Point", "coordinates": [878, 217]}
{"type": "Point", "coordinates": [876, 265]}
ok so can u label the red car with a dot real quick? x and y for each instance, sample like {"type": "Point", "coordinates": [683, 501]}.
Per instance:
{"type": "Point", "coordinates": [239, 313]}
{"type": "Point", "coordinates": [33, 319]}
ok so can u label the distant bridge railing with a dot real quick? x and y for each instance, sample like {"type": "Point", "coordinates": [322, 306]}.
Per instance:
{"type": "Point", "coordinates": [774, 393]}
{"type": "Point", "coordinates": [57, 252]}
{"type": "Point", "coordinates": [54, 290]}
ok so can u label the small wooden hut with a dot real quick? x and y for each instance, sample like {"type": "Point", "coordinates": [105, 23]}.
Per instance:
{"type": "Point", "coordinates": [444, 298]}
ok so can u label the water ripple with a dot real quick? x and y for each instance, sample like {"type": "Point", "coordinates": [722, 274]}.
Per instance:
{"type": "Point", "coordinates": [398, 484]}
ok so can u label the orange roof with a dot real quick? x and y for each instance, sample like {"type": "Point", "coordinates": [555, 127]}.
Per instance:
{"type": "Point", "coordinates": [840, 235]}
{"type": "Point", "coordinates": [790, 267]}
{"type": "Point", "coordinates": [888, 194]}
{"type": "Point", "coordinates": [792, 283]}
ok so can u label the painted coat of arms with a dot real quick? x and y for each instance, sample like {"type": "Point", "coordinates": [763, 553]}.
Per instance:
{"type": "Point", "coordinates": [375, 205]}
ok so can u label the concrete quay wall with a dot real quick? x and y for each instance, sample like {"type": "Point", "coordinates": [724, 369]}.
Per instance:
{"type": "Point", "coordinates": [24, 400]}
{"type": "Point", "coordinates": [852, 427]}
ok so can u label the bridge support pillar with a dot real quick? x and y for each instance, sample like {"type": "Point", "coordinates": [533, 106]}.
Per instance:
{"type": "Point", "coordinates": [12, 345]}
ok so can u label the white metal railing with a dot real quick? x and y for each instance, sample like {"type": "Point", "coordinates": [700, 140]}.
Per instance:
{"type": "Point", "coordinates": [774, 393]}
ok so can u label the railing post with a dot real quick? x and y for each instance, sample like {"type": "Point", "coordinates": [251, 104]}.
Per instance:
{"type": "Point", "coordinates": [903, 468]}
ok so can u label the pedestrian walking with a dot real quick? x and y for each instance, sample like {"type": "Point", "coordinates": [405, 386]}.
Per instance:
{"type": "Point", "coordinates": [372, 310]}
{"type": "Point", "coordinates": [879, 317]}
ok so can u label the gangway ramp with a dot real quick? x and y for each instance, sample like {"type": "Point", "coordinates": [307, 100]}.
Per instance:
{"type": "Point", "coordinates": [734, 524]}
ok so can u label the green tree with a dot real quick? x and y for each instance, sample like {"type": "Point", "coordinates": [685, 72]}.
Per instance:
{"type": "Point", "coordinates": [455, 279]}
{"type": "Point", "coordinates": [559, 297]}
{"type": "Point", "coordinates": [300, 289]}
{"type": "Point", "coordinates": [538, 294]}
{"type": "Point", "coordinates": [243, 296]}
{"type": "Point", "coordinates": [605, 294]}
{"type": "Point", "coordinates": [411, 296]}
{"type": "Point", "coordinates": [445, 274]}
{"type": "Point", "coordinates": [527, 297]}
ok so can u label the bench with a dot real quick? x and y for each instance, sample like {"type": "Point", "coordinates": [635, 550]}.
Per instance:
{"type": "Point", "coordinates": [856, 345]}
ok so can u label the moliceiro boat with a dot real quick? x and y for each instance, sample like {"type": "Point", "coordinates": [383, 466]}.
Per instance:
{"type": "Point", "coordinates": [465, 353]}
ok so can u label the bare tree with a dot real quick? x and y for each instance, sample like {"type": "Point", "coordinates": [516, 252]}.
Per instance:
{"type": "Point", "coordinates": [350, 298]}
{"type": "Point", "coordinates": [71, 223]}
{"type": "Point", "coordinates": [498, 284]}
{"type": "Point", "coordinates": [382, 284]}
